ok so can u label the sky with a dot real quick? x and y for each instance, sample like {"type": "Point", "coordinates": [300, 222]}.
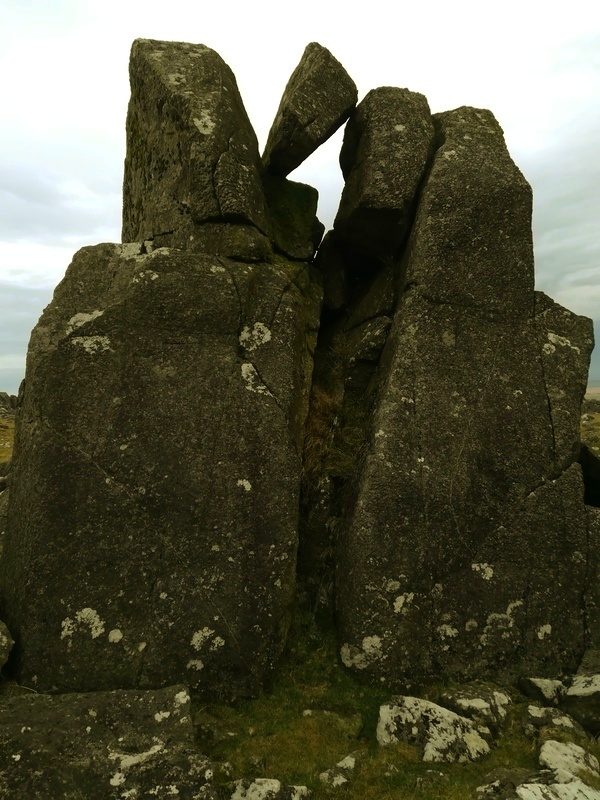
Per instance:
{"type": "Point", "coordinates": [65, 91]}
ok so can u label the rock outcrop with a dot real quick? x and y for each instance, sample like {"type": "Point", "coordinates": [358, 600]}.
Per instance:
{"type": "Point", "coordinates": [103, 745]}
{"type": "Point", "coordinates": [199, 428]}
{"type": "Point", "coordinates": [472, 438]}
{"type": "Point", "coordinates": [163, 472]}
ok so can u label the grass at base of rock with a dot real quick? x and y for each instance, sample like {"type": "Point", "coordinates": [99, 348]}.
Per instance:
{"type": "Point", "coordinates": [590, 431]}
{"type": "Point", "coordinates": [274, 736]}
{"type": "Point", "coordinates": [7, 433]}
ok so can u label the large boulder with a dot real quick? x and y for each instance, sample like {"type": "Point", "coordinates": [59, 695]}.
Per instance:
{"type": "Point", "coordinates": [105, 745]}
{"type": "Point", "coordinates": [471, 444]}
{"type": "Point", "coordinates": [192, 155]}
{"type": "Point", "coordinates": [153, 516]}
{"type": "Point", "coordinates": [387, 144]}
{"type": "Point", "coordinates": [318, 98]}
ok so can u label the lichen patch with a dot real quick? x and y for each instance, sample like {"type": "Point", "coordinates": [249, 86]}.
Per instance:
{"type": "Point", "coordinates": [486, 571]}
{"type": "Point", "coordinates": [88, 618]}
{"type": "Point", "coordinates": [77, 320]}
{"type": "Point", "coordinates": [250, 339]}
{"type": "Point", "coordinates": [92, 344]}
{"type": "Point", "coordinates": [252, 380]}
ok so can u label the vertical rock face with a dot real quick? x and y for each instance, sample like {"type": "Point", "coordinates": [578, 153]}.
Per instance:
{"type": "Point", "coordinates": [317, 100]}
{"type": "Point", "coordinates": [153, 528]}
{"type": "Point", "coordinates": [465, 549]}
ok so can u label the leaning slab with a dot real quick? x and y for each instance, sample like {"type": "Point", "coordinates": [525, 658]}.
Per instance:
{"type": "Point", "coordinates": [153, 524]}
{"type": "Point", "coordinates": [192, 155]}
{"type": "Point", "coordinates": [105, 745]}
{"type": "Point", "coordinates": [318, 99]}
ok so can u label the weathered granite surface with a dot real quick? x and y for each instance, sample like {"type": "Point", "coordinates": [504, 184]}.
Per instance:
{"type": "Point", "coordinates": [158, 461]}
{"type": "Point", "coordinates": [105, 745]}
{"type": "Point", "coordinates": [318, 98]}
{"type": "Point", "coordinates": [471, 441]}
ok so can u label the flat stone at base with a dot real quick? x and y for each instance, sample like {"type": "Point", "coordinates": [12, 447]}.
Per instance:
{"type": "Point", "coordinates": [102, 746]}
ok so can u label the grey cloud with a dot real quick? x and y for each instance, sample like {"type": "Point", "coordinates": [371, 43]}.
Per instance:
{"type": "Point", "coordinates": [20, 309]}
{"type": "Point", "coordinates": [54, 191]}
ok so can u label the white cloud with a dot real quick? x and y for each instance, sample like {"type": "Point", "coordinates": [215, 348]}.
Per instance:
{"type": "Point", "coordinates": [63, 112]}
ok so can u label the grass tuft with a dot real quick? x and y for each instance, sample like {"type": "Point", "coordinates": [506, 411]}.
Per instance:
{"type": "Point", "coordinates": [7, 435]}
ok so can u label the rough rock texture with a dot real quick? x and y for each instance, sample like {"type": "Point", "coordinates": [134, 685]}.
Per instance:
{"type": "Point", "coordinates": [6, 644]}
{"type": "Point", "coordinates": [268, 789]}
{"type": "Point", "coordinates": [582, 700]}
{"type": "Point", "coordinates": [318, 99]}
{"type": "Point", "coordinates": [295, 229]}
{"type": "Point", "coordinates": [442, 734]}
{"type": "Point", "coordinates": [8, 404]}
{"type": "Point", "coordinates": [342, 773]}
{"type": "Point", "coordinates": [4, 494]}
{"type": "Point", "coordinates": [547, 690]}
{"type": "Point", "coordinates": [471, 438]}
{"type": "Point", "coordinates": [387, 143]}
{"type": "Point", "coordinates": [521, 784]}
{"type": "Point", "coordinates": [539, 717]}
{"type": "Point", "coordinates": [192, 156]}
{"type": "Point", "coordinates": [484, 703]}
{"type": "Point", "coordinates": [153, 522]}
{"type": "Point", "coordinates": [569, 758]}
{"type": "Point", "coordinates": [106, 745]}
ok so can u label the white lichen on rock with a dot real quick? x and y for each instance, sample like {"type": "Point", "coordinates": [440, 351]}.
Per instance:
{"type": "Point", "coordinates": [250, 339]}
{"type": "Point", "coordinates": [87, 617]}
{"type": "Point", "coordinates": [77, 320]}
{"type": "Point", "coordinates": [360, 658]}
{"type": "Point", "coordinates": [92, 344]}
{"type": "Point", "coordinates": [252, 380]}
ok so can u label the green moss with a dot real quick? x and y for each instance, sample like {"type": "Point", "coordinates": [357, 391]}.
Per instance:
{"type": "Point", "coordinates": [274, 737]}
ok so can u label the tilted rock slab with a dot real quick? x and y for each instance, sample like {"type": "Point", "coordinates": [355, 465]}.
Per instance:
{"type": "Point", "coordinates": [153, 524]}
{"type": "Point", "coordinates": [192, 155]}
{"type": "Point", "coordinates": [318, 98]}
{"type": "Point", "coordinates": [105, 745]}
{"type": "Point", "coordinates": [465, 550]}
{"type": "Point", "coordinates": [387, 144]}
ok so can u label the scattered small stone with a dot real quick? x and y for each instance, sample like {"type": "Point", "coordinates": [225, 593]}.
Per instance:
{"type": "Point", "coordinates": [342, 773]}
{"type": "Point", "coordinates": [547, 691]}
{"type": "Point", "coordinates": [442, 734]}
{"type": "Point", "coordinates": [484, 703]}
{"type": "Point", "coordinates": [582, 699]}
{"type": "Point", "coordinates": [268, 789]}
{"type": "Point", "coordinates": [543, 717]}
{"type": "Point", "coordinates": [567, 758]}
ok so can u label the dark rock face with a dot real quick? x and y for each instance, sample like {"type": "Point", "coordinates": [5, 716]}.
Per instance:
{"type": "Point", "coordinates": [186, 444]}
{"type": "Point", "coordinates": [160, 440]}
{"type": "Point", "coordinates": [439, 567]}
{"type": "Point", "coordinates": [387, 143]}
{"type": "Point", "coordinates": [318, 99]}
{"type": "Point", "coordinates": [105, 745]}
{"type": "Point", "coordinates": [192, 156]}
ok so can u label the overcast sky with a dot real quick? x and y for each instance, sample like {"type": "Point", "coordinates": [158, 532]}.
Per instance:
{"type": "Point", "coordinates": [65, 92]}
